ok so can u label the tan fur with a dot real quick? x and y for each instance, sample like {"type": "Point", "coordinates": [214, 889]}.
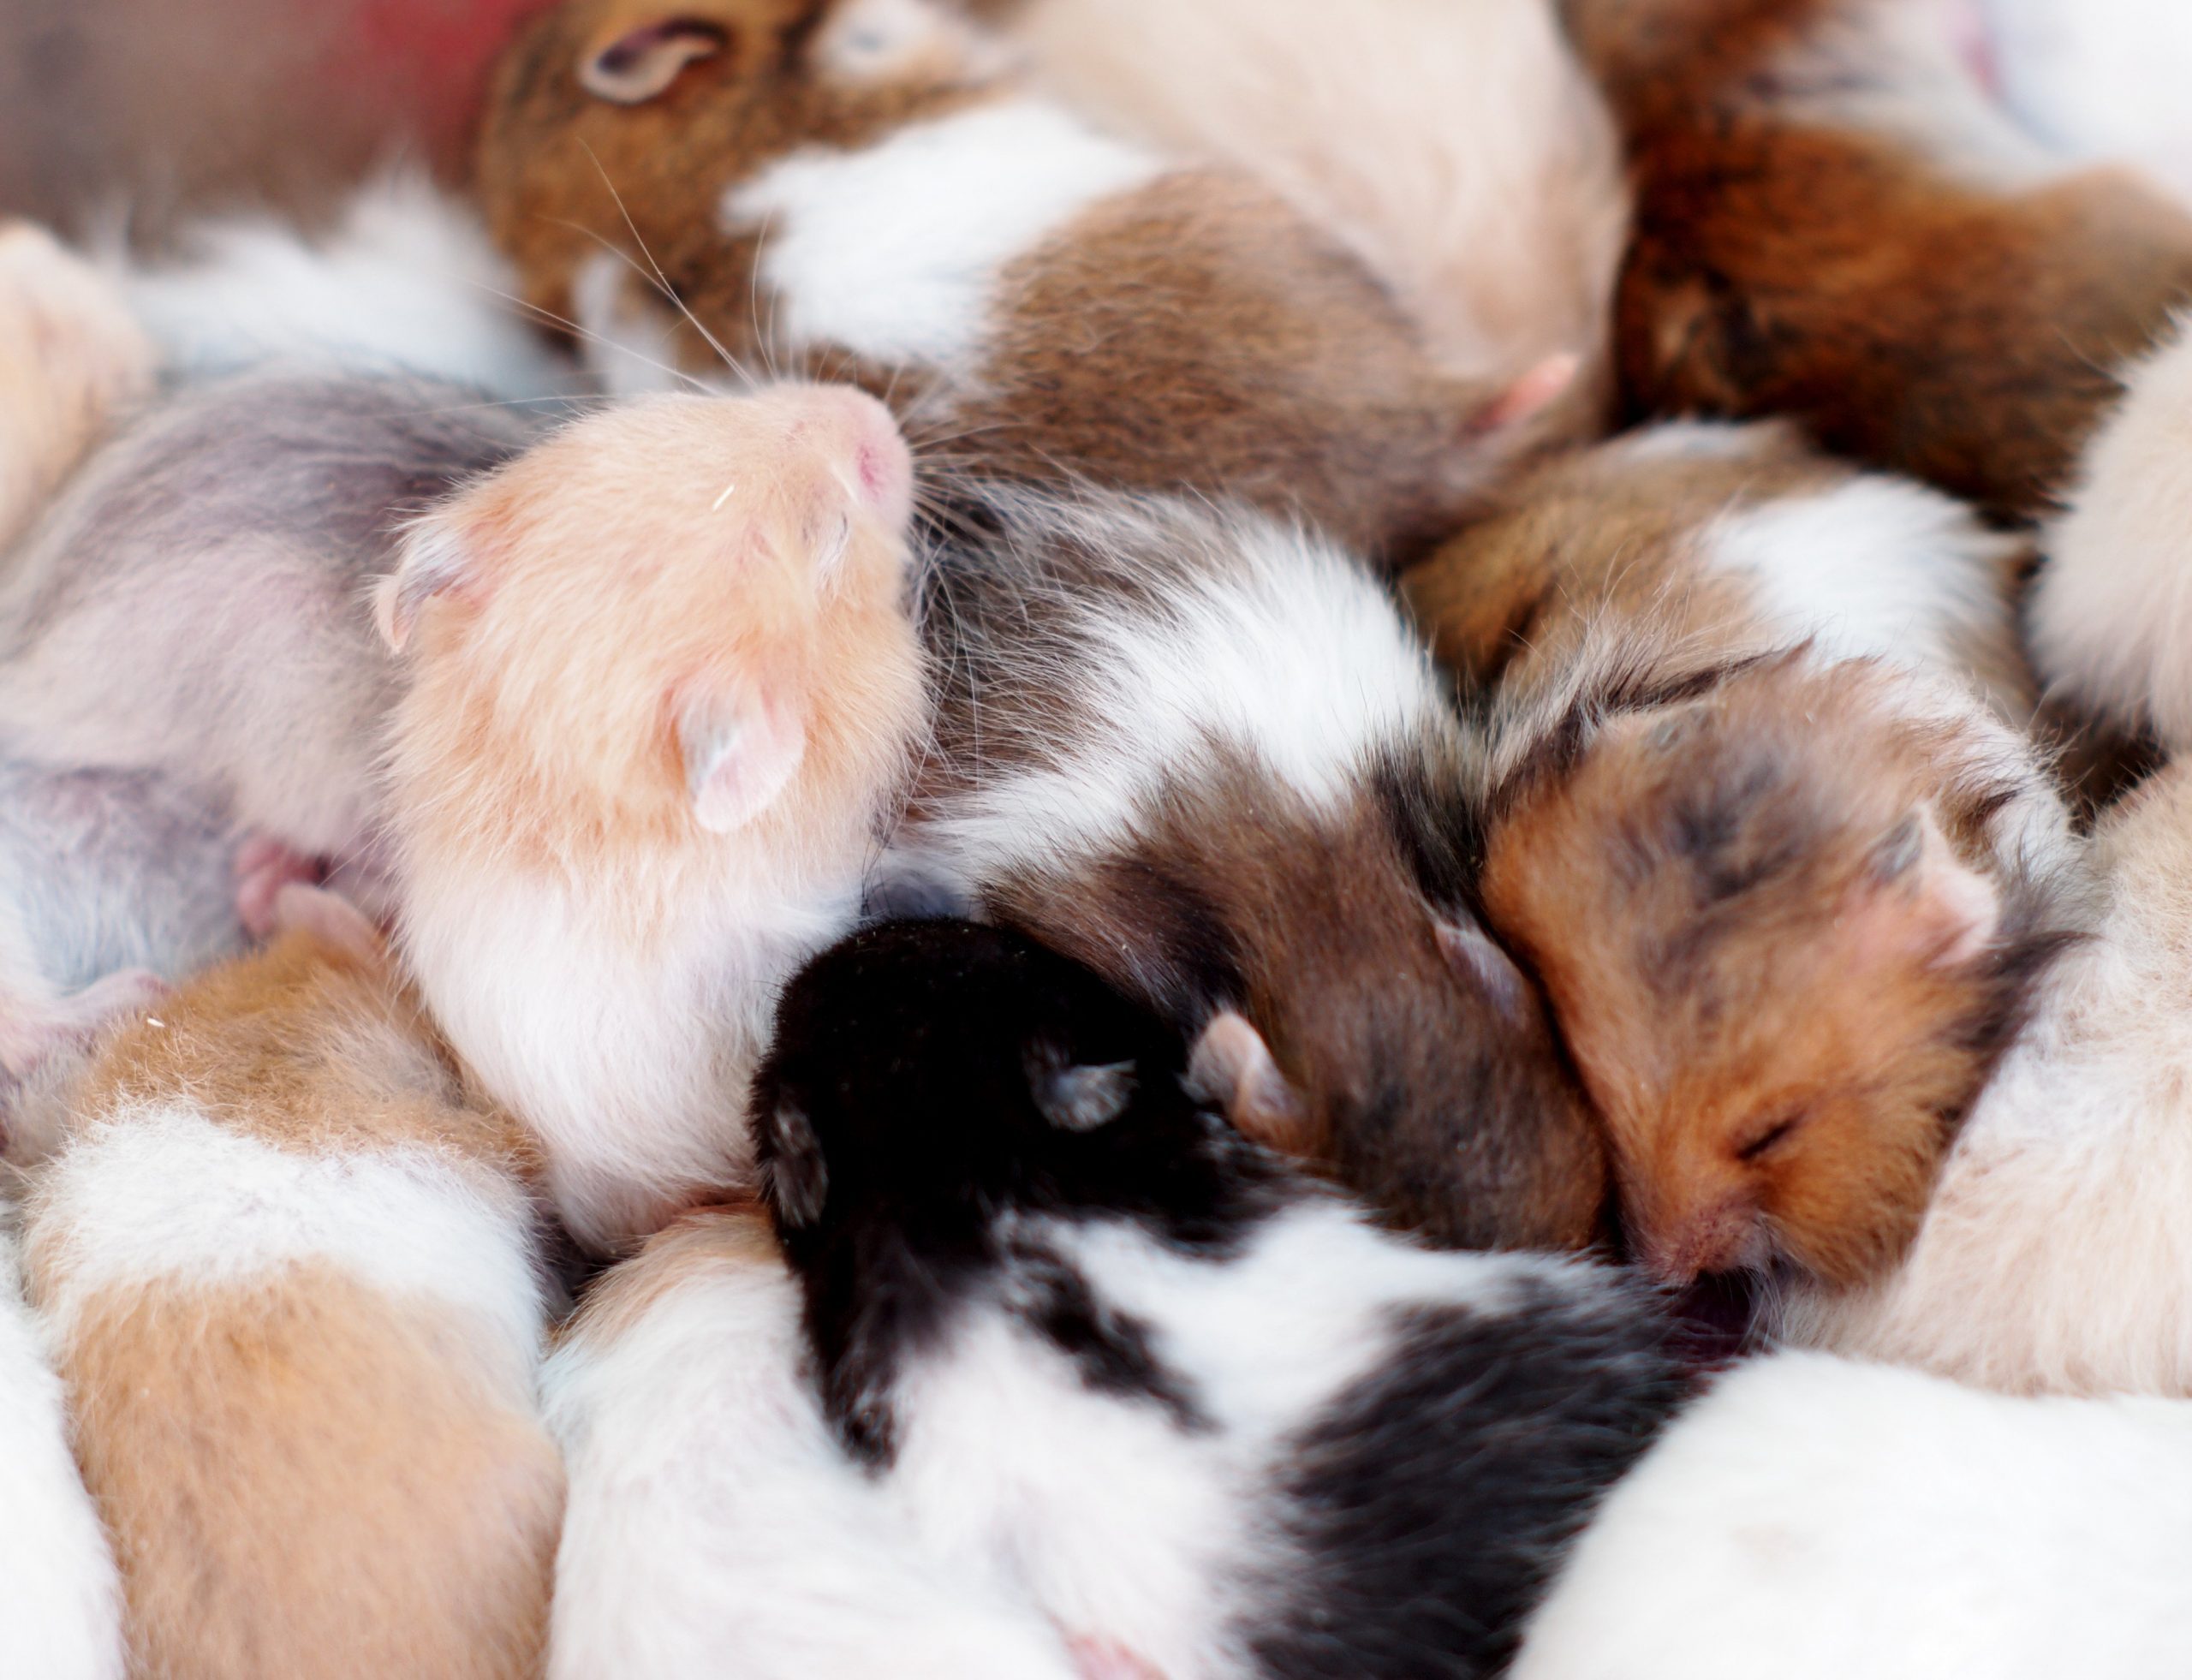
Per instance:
{"type": "Point", "coordinates": [305, 1475]}
{"type": "Point", "coordinates": [731, 1237]}
{"type": "Point", "coordinates": [71, 358]}
{"type": "Point", "coordinates": [1194, 332]}
{"type": "Point", "coordinates": [1815, 253]}
{"type": "Point", "coordinates": [628, 566]}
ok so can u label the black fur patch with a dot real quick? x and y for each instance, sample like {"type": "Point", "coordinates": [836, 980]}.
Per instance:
{"type": "Point", "coordinates": [1434, 1502]}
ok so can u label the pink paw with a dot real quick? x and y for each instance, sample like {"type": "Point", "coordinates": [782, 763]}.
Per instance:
{"type": "Point", "coordinates": [263, 867]}
{"type": "Point", "coordinates": [1102, 1660]}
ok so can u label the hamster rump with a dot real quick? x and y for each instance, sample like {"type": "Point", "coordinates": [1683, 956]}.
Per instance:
{"type": "Point", "coordinates": [712, 1510]}
{"type": "Point", "coordinates": [274, 1227]}
{"type": "Point", "coordinates": [1812, 1516]}
{"type": "Point", "coordinates": [1002, 1202]}
{"type": "Point", "coordinates": [1806, 174]}
{"type": "Point", "coordinates": [1790, 915]}
{"type": "Point", "coordinates": [1036, 292]}
{"type": "Point", "coordinates": [72, 358]}
{"type": "Point", "coordinates": [1202, 752]}
{"type": "Point", "coordinates": [2054, 1254]}
{"type": "Point", "coordinates": [245, 514]}
{"type": "Point", "coordinates": [2112, 605]}
{"type": "Point", "coordinates": [1461, 151]}
{"type": "Point", "coordinates": [662, 691]}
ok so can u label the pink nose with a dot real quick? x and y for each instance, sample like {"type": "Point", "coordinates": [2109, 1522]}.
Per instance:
{"type": "Point", "coordinates": [1723, 1238]}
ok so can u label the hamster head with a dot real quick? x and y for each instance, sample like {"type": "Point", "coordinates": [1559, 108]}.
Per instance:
{"type": "Point", "coordinates": [931, 1076]}
{"type": "Point", "coordinates": [1782, 980]}
{"type": "Point", "coordinates": [668, 621]}
{"type": "Point", "coordinates": [607, 109]}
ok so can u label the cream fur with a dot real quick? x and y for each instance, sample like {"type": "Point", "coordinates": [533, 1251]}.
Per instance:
{"type": "Point", "coordinates": [2057, 1255]}
{"type": "Point", "coordinates": [1814, 1517]}
{"type": "Point", "coordinates": [714, 1524]}
{"type": "Point", "coordinates": [1454, 144]}
{"type": "Point", "coordinates": [2099, 77]}
{"type": "Point", "coordinates": [2111, 611]}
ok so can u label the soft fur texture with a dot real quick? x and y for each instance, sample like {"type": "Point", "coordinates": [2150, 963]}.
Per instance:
{"type": "Point", "coordinates": [1202, 752]}
{"type": "Point", "coordinates": [1813, 1519]}
{"type": "Point", "coordinates": [663, 690]}
{"type": "Point", "coordinates": [2111, 611]}
{"type": "Point", "coordinates": [864, 187]}
{"type": "Point", "coordinates": [405, 282]}
{"type": "Point", "coordinates": [1458, 148]}
{"type": "Point", "coordinates": [715, 1522]}
{"type": "Point", "coordinates": [2098, 78]}
{"type": "Point", "coordinates": [72, 358]}
{"type": "Point", "coordinates": [2057, 1254]}
{"type": "Point", "coordinates": [1832, 224]}
{"type": "Point", "coordinates": [1789, 907]}
{"type": "Point", "coordinates": [292, 1280]}
{"type": "Point", "coordinates": [1093, 1343]}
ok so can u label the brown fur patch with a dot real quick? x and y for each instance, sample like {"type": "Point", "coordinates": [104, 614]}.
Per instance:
{"type": "Point", "coordinates": [306, 1479]}
{"type": "Point", "coordinates": [733, 1237]}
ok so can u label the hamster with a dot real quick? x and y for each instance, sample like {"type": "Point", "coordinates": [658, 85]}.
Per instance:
{"type": "Point", "coordinates": [1092, 1343]}
{"type": "Point", "coordinates": [1813, 1518]}
{"type": "Point", "coordinates": [112, 885]}
{"type": "Point", "coordinates": [60, 1598]}
{"type": "Point", "coordinates": [1789, 908]}
{"type": "Point", "coordinates": [1202, 752]}
{"type": "Point", "coordinates": [2056, 1253]}
{"type": "Point", "coordinates": [293, 1289]}
{"type": "Point", "coordinates": [865, 188]}
{"type": "Point", "coordinates": [1459, 149]}
{"type": "Point", "coordinates": [662, 690]}
{"type": "Point", "coordinates": [2111, 608]}
{"type": "Point", "coordinates": [714, 1523]}
{"type": "Point", "coordinates": [194, 605]}
{"type": "Point", "coordinates": [72, 358]}
{"type": "Point", "coordinates": [1833, 223]}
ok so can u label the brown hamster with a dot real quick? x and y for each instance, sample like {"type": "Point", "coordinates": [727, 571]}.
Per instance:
{"type": "Point", "coordinates": [1831, 225]}
{"type": "Point", "coordinates": [1785, 874]}
{"type": "Point", "coordinates": [865, 186]}
{"type": "Point", "coordinates": [293, 1282]}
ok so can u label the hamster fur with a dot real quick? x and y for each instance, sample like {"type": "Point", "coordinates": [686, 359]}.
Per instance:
{"type": "Point", "coordinates": [72, 358]}
{"type": "Point", "coordinates": [292, 1283]}
{"type": "Point", "coordinates": [1092, 1343]}
{"type": "Point", "coordinates": [2110, 610]}
{"type": "Point", "coordinates": [865, 186]}
{"type": "Point", "coordinates": [2056, 1253]}
{"type": "Point", "coordinates": [195, 605]}
{"type": "Point", "coordinates": [1814, 1518]}
{"type": "Point", "coordinates": [1202, 752]}
{"type": "Point", "coordinates": [1833, 223]}
{"type": "Point", "coordinates": [1790, 907]}
{"type": "Point", "coordinates": [713, 1518]}
{"type": "Point", "coordinates": [2100, 79]}
{"type": "Point", "coordinates": [663, 689]}
{"type": "Point", "coordinates": [1459, 150]}
{"type": "Point", "coordinates": [60, 1601]}
{"type": "Point", "coordinates": [406, 281]}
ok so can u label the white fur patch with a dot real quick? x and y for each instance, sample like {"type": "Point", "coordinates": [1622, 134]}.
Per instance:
{"type": "Point", "coordinates": [1812, 1519]}
{"type": "Point", "coordinates": [710, 1502]}
{"type": "Point", "coordinates": [162, 1192]}
{"type": "Point", "coordinates": [894, 253]}
{"type": "Point", "coordinates": [1297, 659]}
{"type": "Point", "coordinates": [1875, 567]}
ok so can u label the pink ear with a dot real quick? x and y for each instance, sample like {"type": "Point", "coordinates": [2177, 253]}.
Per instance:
{"type": "Point", "coordinates": [741, 748]}
{"type": "Point", "coordinates": [331, 919]}
{"type": "Point", "coordinates": [1232, 1068]}
{"type": "Point", "coordinates": [433, 561]}
{"type": "Point", "coordinates": [1530, 395]}
{"type": "Point", "coordinates": [642, 63]}
{"type": "Point", "coordinates": [1471, 953]}
{"type": "Point", "coordinates": [1917, 900]}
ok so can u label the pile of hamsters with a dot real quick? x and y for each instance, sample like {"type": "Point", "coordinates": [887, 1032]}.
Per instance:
{"type": "Point", "coordinates": [1117, 840]}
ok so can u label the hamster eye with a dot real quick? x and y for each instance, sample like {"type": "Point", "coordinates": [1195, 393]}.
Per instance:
{"type": "Point", "coordinates": [1779, 1132]}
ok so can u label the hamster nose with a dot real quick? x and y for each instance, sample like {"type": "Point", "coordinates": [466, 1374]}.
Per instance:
{"type": "Point", "coordinates": [1721, 1237]}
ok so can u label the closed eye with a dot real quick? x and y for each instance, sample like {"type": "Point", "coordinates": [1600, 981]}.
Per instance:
{"type": "Point", "coordinates": [1770, 1138]}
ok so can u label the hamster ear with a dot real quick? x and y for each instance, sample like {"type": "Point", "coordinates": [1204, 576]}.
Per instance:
{"type": "Point", "coordinates": [641, 64]}
{"type": "Point", "coordinates": [1081, 1099]}
{"type": "Point", "coordinates": [1477, 958]}
{"type": "Point", "coordinates": [1915, 898]}
{"type": "Point", "coordinates": [1232, 1068]}
{"type": "Point", "coordinates": [797, 1179]}
{"type": "Point", "coordinates": [434, 560]}
{"type": "Point", "coordinates": [740, 748]}
{"type": "Point", "coordinates": [332, 919]}
{"type": "Point", "coordinates": [1529, 396]}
